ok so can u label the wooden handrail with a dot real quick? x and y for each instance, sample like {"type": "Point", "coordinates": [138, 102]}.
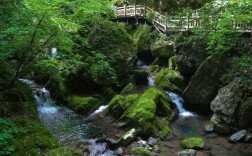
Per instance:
{"type": "Point", "coordinates": [164, 23]}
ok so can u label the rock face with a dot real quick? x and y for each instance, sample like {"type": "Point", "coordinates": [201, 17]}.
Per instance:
{"type": "Point", "coordinates": [193, 143]}
{"type": "Point", "coordinates": [140, 76]}
{"type": "Point", "coordinates": [226, 101]}
{"type": "Point", "coordinates": [170, 80]}
{"type": "Point", "coordinates": [238, 135]}
{"type": "Point", "coordinates": [143, 112]}
{"type": "Point", "coordinates": [204, 84]}
{"type": "Point", "coordinates": [245, 114]}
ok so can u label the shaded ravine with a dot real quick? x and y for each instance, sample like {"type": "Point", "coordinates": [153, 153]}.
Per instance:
{"type": "Point", "coordinates": [66, 125]}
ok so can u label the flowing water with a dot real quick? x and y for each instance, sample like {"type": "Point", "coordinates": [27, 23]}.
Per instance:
{"type": "Point", "coordinates": [141, 65]}
{"type": "Point", "coordinates": [66, 125]}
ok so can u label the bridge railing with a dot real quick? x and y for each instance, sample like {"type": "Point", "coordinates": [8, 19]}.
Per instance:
{"type": "Point", "coordinates": [166, 23]}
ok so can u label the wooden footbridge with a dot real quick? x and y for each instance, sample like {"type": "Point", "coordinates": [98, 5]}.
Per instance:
{"type": "Point", "coordinates": [165, 23]}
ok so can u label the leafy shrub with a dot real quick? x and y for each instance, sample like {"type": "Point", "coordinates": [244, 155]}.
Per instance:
{"type": "Point", "coordinates": [7, 132]}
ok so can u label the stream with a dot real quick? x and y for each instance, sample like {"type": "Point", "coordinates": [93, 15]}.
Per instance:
{"type": "Point", "coordinates": [66, 125]}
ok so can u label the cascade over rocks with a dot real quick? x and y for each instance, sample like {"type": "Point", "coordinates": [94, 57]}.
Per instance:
{"type": "Point", "coordinates": [205, 83]}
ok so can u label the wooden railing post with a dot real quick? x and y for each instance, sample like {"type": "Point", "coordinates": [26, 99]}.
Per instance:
{"type": "Point", "coordinates": [125, 13]}
{"type": "Point", "coordinates": [135, 9]}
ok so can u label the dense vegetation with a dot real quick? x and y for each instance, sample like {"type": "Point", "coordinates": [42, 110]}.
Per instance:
{"type": "Point", "coordinates": [83, 57]}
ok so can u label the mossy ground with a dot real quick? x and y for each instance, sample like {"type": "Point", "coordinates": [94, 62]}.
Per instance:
{"type": "Point", "coordinates": [140, 151]}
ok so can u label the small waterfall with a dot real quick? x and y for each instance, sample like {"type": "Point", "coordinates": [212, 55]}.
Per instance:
{"type": "Point", "coordinates": [178, 101]}
{"type": "Point", "coordinates": [151, 80]}
{"type": "Point", "coordinates": [100, 110]}
{"type": "Point", "coordinates": [53, 52]}
{"type": "Point", "coordinates": [141, 65]}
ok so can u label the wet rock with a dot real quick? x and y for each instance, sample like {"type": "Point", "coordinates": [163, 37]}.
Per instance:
{"type": "Point", "coordinates": [193, 143]}
{"type": "Point", "coordinates": [205, 83]}
{"type": "Point", "coordinates": [152, 141]}
{"type": "Point", "coordinates": [245, 115]}
{"type": "Point", "coordinates": [142, 143]}
{"type": "Point", "coordinates": [208, 128]}
{"type": "Point", "coordinates": [220, 126]}
{"type": "Point", "coordinates": [128, 137]}
{"type": "Point", "coordinates": [156, 148]}
{"type": "Point", "coordinates": [238, 136]}
{"type": "Point", "coordinates": [187, 152]}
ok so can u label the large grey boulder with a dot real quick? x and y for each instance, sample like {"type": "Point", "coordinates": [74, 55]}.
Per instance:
{"type": "Point", "coordinates": [205, 83]}
{"type": "Point", "coordinates": [226, 101]}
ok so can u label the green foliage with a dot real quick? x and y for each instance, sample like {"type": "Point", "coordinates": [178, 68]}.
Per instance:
{"type": "Point", "coordinates": [7, 133]}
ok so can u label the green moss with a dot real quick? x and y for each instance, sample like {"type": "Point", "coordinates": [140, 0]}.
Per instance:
{"type": "Point", "coordinates": [172, 63]}
{"type": "Point", "coordinates": [170, 80]}
{"type": "Point", "coordinates": [143, 113]}
{"type": "Point", "coordinates": [119, 104]}
{"type": "Point", "coordinates": [33, 139]}
{"type": "Point", "coordinates": [130, 87]}
{"type": "Point", "coordinates": [140, 151]}
{"type": "Point", "coordinates": [84, 105]}
{"type": "Point", "coordinates": [193, 143]}
{"type": "Point", "coordinates": [63, 151]}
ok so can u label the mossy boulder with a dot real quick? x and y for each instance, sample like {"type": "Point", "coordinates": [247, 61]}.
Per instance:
{"type": "Point", "coordinates": [170, 80]}
{"type": "Point", "coordinates": [140, 151]}
{"type": "Point", "coordinates": [84, 105]}
{"type": "Point", "coordinates": [187, 152]}
{"type": "Point", "coordinates": [119, 104]}
{"type": "Point", "coordinates": [63, 151]}
{"type": "Point", "coordinates": [219, 125]}
{"type": "Point", "coordinates": [128, 88]}
{"type": "Point", "coordinates": [163, 49]}
{"type": "Point", "coordinates": [143, 112]}
{"type": "Point", "coordinates": [193, 143]}
{"type": "Point", "coordinates": [128, 137]}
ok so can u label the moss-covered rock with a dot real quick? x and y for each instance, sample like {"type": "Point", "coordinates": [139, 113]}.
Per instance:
{"type": "Point", "coordinates": [84, 105]}
{"type": "Point", "coordinates": [130, 87]}
{"type": "Point", "coordinates": [163, 49]}
{"type": "Point", "coordinates": [119, 104]}
{"type": "Point", "coordinates": [63, 151]}
{"type": "Point", "coordinates": [144, 113]}
{"type": "Point", "coordinates": [193, 143]}
{"type": "Point", "coordinates": [172, 63]}
{"type": "Point", "coordinates": [219, 125]}
{"type": "Point", "coordinates": [140, 151]}
{"type": "Point", "coordinates": [187, 152]}
{"type": "Point", "coordinates": [170, 80]}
